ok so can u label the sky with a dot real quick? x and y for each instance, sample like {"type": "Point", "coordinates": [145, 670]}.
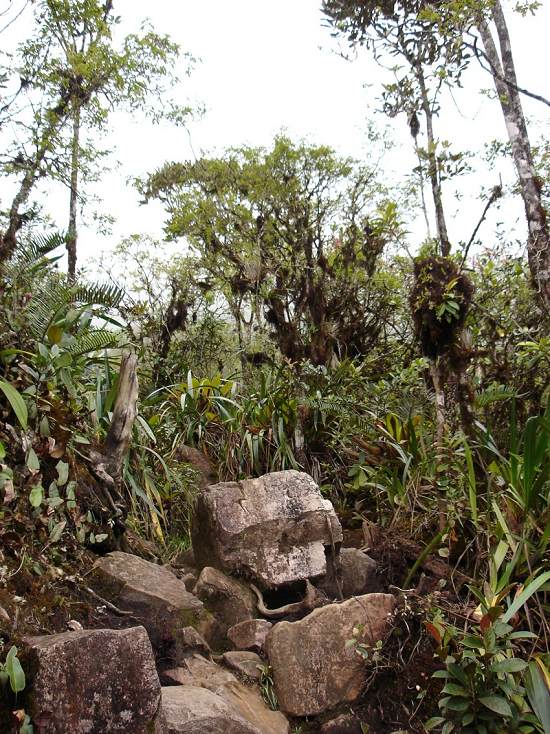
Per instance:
{"type": "Point", "coordinates": [270, 65]}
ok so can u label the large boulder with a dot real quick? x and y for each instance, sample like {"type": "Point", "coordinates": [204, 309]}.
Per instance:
{"type": "Point", "coordinates": [158, 599]}
{"type": "Point", "coordinates": [273, 529]}
{"type": "Point", "coordinates": [92, 681]}
{"type": "Point", "coordinates": [313, 669]}
{"type": "Point", "coordinates": [195, 710]}
{"type": "Point", "coordinates": [230, 601]}
{"type": "Point", "coordinates": [244, 701]}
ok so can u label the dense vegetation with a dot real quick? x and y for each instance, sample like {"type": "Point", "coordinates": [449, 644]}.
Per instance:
{"type": "Point", "coordinates": [291, 332]}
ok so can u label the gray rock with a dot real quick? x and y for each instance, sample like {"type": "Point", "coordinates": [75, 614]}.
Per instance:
{"type": "Point", "coordinates": [249, 635]}
{"type": "Point", "coordinates": [195, 710]}
{"type": "Point", "coordinates": [229, 600]}
{"type": "Point", "coordinates": [91, 681]}
{"type": "Point", "coordinates": [344, 724]}
{"type": "Point", "coordinates": [273, 529]}
{"type": "Point", "coordinates": [189, 642]}
{"type": "Point", "coordinates": [206, 472]}
{"type": "Point", "coordinates": [244, 662]}
{"type": "Point", "coordinates": [354, 575]}
{"type": "Point", "coordinates": [358, 573]}
{"type": "Point", "coordinates": [313, 670]}
{"type": "Point", "coordinates": [158, 599]}
{"type": "Point", "coordinates": [242, 700]}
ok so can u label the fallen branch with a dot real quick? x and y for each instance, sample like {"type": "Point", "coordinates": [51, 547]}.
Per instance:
{"type": "Point", "coordinates": [112, 607]}
{"type": "Point", "coordinates": [309, 602]}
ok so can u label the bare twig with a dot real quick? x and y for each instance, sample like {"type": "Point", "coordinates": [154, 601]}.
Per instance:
{"type": "Point", "coordinates": [496, 193]}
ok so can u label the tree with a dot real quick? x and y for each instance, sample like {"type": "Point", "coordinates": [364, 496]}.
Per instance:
{"type": "Point", "coordinates": [399, 30]}
{"type": "Point", "coordinates": [441, 294]}
{"type": "Point", "coordinates": [292, 235]}
{"type": "Point", "coordinates": [503, 70]}
{"type": "Point", "coordinates": [443, 36]}
{"type": "Point", "coordinates": [73, 76]}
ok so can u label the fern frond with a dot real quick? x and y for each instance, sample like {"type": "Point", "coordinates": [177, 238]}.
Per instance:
{"type": "Point", "coordinates": [32, 258]}
{"type": "Point", "coordinates": [100, 294]}
{"type": "Point", "coordinates": [56, 297]}
{"type": "Point", "coordinates": [44, 307]}
{"type": "Point", "coordinates": [38, 247]}
{"type": "Point", "coordinates": [94, 341]}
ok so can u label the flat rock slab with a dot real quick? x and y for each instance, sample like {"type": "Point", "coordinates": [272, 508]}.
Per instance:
{"type": "Point", "coordinates": [195, 710]}
{"type": "Point", "coordinates": [313, 670]}
{"type": "Point", "coordinates": [156, 596]}
{"type": "Point", "coordinates": [92, 681]}
{"type": "Point", "coordinates": [272, 529]}
{"type": "Point", "coordinates": [245, 663]}
{"type": "Point", "coordinates": [246, 702]}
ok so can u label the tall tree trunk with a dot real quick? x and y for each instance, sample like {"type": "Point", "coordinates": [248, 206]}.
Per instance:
{"type": "Point", "coordinates": [433, 170]}
{"type": "Point", "coordinates": [72, 235]}
{"type": "Point", "coordinates": [437, 373]}
{"type": "Point", "coordinates": [8, 239]}
{"type": "Point", "coordinates": [505, 80]}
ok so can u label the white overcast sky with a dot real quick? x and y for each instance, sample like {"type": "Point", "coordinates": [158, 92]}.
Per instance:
{"type": "Point", "coordinates": [269, 65]}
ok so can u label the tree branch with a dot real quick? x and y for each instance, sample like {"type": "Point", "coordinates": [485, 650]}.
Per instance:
{"type": "Point", "coordinates": [481, 55]}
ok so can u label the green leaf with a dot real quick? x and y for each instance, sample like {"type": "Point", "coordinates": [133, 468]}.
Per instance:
{"type": "Point", "coordinates": [62, 472]}
{"type": "Point", "coordinates": [537, 681]}
{"type": "Point", "coordinates": [57, 531]}
{"type": "Point", "coordinates": [433, 722]}
{"type": "Point", "coordinates": [455, 690]}
{"type": "Point", "coordinates": [528, 592]}
{"type": "Point", "coordinates": [15, 671]}
{"type": "Point", "coordinates": [33, 464]}
{"type": "Point", "coordinates": [16, 401]}
{"type": "Point", "coordinates": [458, 704]}
{"type": "Point", "coordinates": [472, 484]}
{"type": "Point", "coordinates": [512, 665]}
{"type": "Point", "coordinates": [36, 496]}
{"type": "Point", "coordinates": [44, 427]}
{"type": "Point", "coordinates": [457, 672]}
{"type": "Point", "coordinates": [497, 704]}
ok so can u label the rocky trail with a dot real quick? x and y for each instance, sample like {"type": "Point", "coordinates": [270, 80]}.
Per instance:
{"type": "Point", "coordinates": [269, 625]}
